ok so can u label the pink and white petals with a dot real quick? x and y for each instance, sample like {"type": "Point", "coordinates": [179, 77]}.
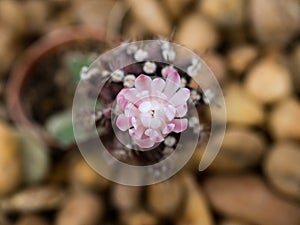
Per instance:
{"type": "Point", "coordinates": [153, 108]}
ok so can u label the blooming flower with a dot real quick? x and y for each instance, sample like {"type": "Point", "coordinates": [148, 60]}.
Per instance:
{"type": "Point", "coordinates": [153, 108]}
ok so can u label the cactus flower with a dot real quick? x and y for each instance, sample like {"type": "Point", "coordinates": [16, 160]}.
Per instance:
{"type": "Point", "coordinates": [153, 108]}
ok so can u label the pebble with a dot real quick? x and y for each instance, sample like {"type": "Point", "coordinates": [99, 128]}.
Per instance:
{"type": "Point", "coordinates": [31, 220]}
{"type": "Point", "coordinates": [269, 81]}
{"type": "Point", "coordinates": [233, 222]}
{"type": "Point", "coordinates": [196, 210]}
{"type": "Point", "coordinates": [295, 67]}
{"type": "Point", "coordinates": [275, 22]}
{"type": "Point", "coordinates": [217, 64]}
{"type": "Point", "coordinates": [126, 198]}
{"type": "Point", "coordinates": [13, 16]}
{"type": "Point", "coordinates": [37, 13]}
{"type": "Point", "coordinates": [242, 109]}
{"type": "Point", "coordinates": [94, 12]}
{"type": "Point", "coordinates": [248, 198]}
{"type": "Point", "coordinates": [177, 8]}
{"type": "Point", "coordinates": [283, 120]}
{"type": "Point", "coordinates": [81, 208]}
{"type": "Point", "coordinates": [10, 160]}
{"type": "Point", "coordinates": [35, 159]}
{"type": "Point", "coordinates": [138, 217]}
{"type": "Point", "coordinates": [225, 13]}
{"type": "Point", "coordinates": [282, 168]}
{"type": "Point", "coordinates": [8, 49]}
{"type": "Point", "coordinates": [152, 15]}
{"type": "Point", "coordinates": [242, 149]}
{"type": "Point", "coordinates": [241, 57]}
{"type": "Point", "coordinates": [165, 198]}
{"type": "Point", "coordinates": [190, 33]}
{"type": "Point", "coordinates": [82, 176]}
{"type": "Point", "coordinates": [4, 220]}
{"type": "Point", "coordinates": [34, 199]}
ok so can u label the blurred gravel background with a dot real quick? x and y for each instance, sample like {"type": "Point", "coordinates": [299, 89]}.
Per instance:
{"type": "Point", "coordinates": [252, 46]}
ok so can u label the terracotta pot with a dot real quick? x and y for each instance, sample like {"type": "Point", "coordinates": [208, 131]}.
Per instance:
{"type": "Point", "coordinates": [22, 72]}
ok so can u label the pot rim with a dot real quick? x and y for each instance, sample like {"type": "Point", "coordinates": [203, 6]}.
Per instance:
{"type": "Point", "coordinates": [21, 70]}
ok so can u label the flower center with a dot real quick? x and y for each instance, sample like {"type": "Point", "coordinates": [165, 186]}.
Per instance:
{"type": "Point", "coordinates": [152, 111]}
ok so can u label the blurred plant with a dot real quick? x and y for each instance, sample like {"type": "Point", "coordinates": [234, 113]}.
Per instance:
{"type": "Point", "coordinates": [59, 125]}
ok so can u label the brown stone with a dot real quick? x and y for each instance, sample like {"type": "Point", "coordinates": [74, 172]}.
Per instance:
{"type": "Point", "coordinates": [217, 64]}
{"type": "Point", "coordinates": [226, 13]}
{"type": "Point", "coordinates": [31, 220]}
{"type": "Point", "coordinates": [126, 198]}
{"type": "Point", "coordinates": [242, 109]}
{"type": "Point", "coordinates": [295, 67]}
{"type": "Point", "coordinates": [82, 176]}
{"type": "Point", "coordinates": [165, 198]}
{"type": "Point", "coordinates": [282, 167]}
{"type": "Point", "coordinates": [241, 150]}
{"type": "Point", "coordinates": [177, 8]}
{"type": "Point", "coordinates": [269, 81]}
{"type": "Point", "coordinates": [34, 199]}
{"type": "Point", "coordinates": [138, 218]}
{"type": "Point", "coordinates": [152, 15]}
{"type": "Point", "coordinates": [283, 120]}
{"type": "Point", "coordinates": [248, 198]}
{"type": "Point", "coordinates": [196, 210]}
{"type": "Point", "coordinates": [8, 49]}
{"type": "Point", "coordinates": [275, 22]}
{"type": "Point", "coordinates": [13, 16]}
{"type": "Point", "coordinates": [81, 208]}
{"type": "Point", "coordinates": [241, 57]}
{"type": "Point", "coordinates": [191, 34]}
{"type": "Point", "coordinates": [10, 160]}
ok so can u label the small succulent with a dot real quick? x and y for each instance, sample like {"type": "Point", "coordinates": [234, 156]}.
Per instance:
{"type": "Point", "coordinates": [145, 105]}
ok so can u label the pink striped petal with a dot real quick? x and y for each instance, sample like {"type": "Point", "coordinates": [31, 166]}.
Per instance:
{"type": "Point", "coordinates": [137, 133]}
{"type": "Point", "coordinates": [131, 110]}
{"type": "Point", "coordinates": [181, 110]}
{"type": "Point", "coordinates": [172, 83]}
{"type": "Point", "coordinates": [144, 143]}
{"type": "Point", "coordinates": [169, 128]}
{"type": "Point", "coordinates": [123, 122]}
{"type": "Point", "coordinates": [170, 112]}
{"type": "Point", "coordinates": [131, 95]}
{"type": "Point", "coordinates": [121, 100]}
{"type": "Point", "coordinates": [143, 82]}
{"type": "Point", "coordinates": [180, 125]}
{"type": "Point", "coordinates": [134, 122]}
{"type": "Point", "coordinates": [154, 135]}
{"type": "Point", "coordinates": [158, 85]}
{"type": "Point", "coordinates": [180, 97]}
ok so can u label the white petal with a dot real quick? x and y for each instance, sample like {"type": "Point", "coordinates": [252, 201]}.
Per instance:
{"type": "Point", "coordinates": [169, 128]}
{"type": "Point", "coordinates": [172, 82]}
{"type": "Point", "coordinates": [146, 120]}
{"type": "Point", "coordinates": [180, 97]}
{"type": "Point", "coordinates": [143, 82]}
{"type": "Point", "coordinates": [145, 106]}
{"type": "Point", "coordinates": [180, 125]}
{"type": "Point", "coordinates": [158, 85]}
{"type": "Point", "coordinates": [155, 123]}
{"type": "Point", "coordinates": [123, 122]}
{"type": "Point", "coordinates": [181, 110]}
{"type": "Point", "coordinates": [170, 112]}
